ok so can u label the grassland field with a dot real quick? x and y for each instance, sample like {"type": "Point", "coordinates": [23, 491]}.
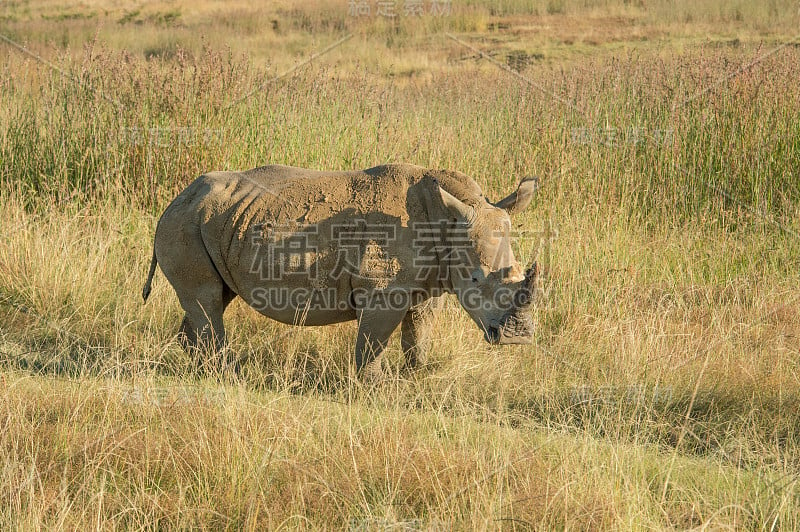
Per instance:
{"type": "Point", "coordinates": [661, 390]}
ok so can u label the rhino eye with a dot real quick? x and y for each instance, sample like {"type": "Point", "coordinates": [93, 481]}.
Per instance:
{"type": "Point", "coordinates": [479, 274]}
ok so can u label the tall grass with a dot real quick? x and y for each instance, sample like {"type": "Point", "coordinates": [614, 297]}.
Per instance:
{"type": "Point", "coordinates": [666, 137]}
{"type": "Point", "coordinates": [661, 391]}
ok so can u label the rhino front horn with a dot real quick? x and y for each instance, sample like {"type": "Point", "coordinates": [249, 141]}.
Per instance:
{"type": "Point", "coordinates": [524, 296]}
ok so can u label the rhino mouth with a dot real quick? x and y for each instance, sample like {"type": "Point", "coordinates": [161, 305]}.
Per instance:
{"type": "Point", "coordinates": [492, 335]}
{"type": "Point", "coordinates": [514, 329]}
{"type": "Point", "coordinates": [516, 326]}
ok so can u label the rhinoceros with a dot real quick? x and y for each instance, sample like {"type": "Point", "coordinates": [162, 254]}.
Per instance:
{"type": "Point", "coordinates": [311, 247]}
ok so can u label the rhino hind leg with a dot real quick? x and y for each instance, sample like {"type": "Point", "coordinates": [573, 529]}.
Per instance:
{"type": "Point", "coordinates": [203, 295]}
{"type": "Point", "coordinates": [202, 331]}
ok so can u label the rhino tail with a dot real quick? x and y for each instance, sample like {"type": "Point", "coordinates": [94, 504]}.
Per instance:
{"type": "Point", "coordinates": [148, 284]}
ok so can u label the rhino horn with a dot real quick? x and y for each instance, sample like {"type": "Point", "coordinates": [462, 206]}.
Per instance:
{"type": "Point", "coordinates": [524, 295]}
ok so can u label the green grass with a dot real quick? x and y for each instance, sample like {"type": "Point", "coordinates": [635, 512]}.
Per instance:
{"type": "Point", "coordinates": [662, 387]}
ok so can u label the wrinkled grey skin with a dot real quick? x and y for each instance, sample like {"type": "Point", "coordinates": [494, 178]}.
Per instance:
{"type": "Point", "coordinates": [218, 239]}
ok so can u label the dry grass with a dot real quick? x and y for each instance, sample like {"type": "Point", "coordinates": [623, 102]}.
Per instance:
{"type": "Point", "coordinates": [662, 388]}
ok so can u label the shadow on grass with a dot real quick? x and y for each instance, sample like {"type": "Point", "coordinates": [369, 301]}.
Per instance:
{"type": "Point", "coordinates": [731, 423]}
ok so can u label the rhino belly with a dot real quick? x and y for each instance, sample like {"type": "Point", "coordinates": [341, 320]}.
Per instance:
{"type": "Point", "coordinates": [300, 305]}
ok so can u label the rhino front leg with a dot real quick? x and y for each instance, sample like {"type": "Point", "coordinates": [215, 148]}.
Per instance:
{"type": "Point", "coordinates": [375, 326]}
{"type": "Point", "coordinates": [415, 332]}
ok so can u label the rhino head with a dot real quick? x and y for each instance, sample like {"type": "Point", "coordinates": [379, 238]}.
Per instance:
{"type": "Point", "coordinates": [481, 268]}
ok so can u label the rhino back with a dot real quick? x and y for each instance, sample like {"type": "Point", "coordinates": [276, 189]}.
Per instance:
{"type": "Point", "coordinates": [236, 210]}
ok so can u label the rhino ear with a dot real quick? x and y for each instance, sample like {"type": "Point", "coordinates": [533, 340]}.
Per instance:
{"type": "Point", "coordinates": [519, 199]}
{"type": "Point", "coordinates": [457, 208]}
